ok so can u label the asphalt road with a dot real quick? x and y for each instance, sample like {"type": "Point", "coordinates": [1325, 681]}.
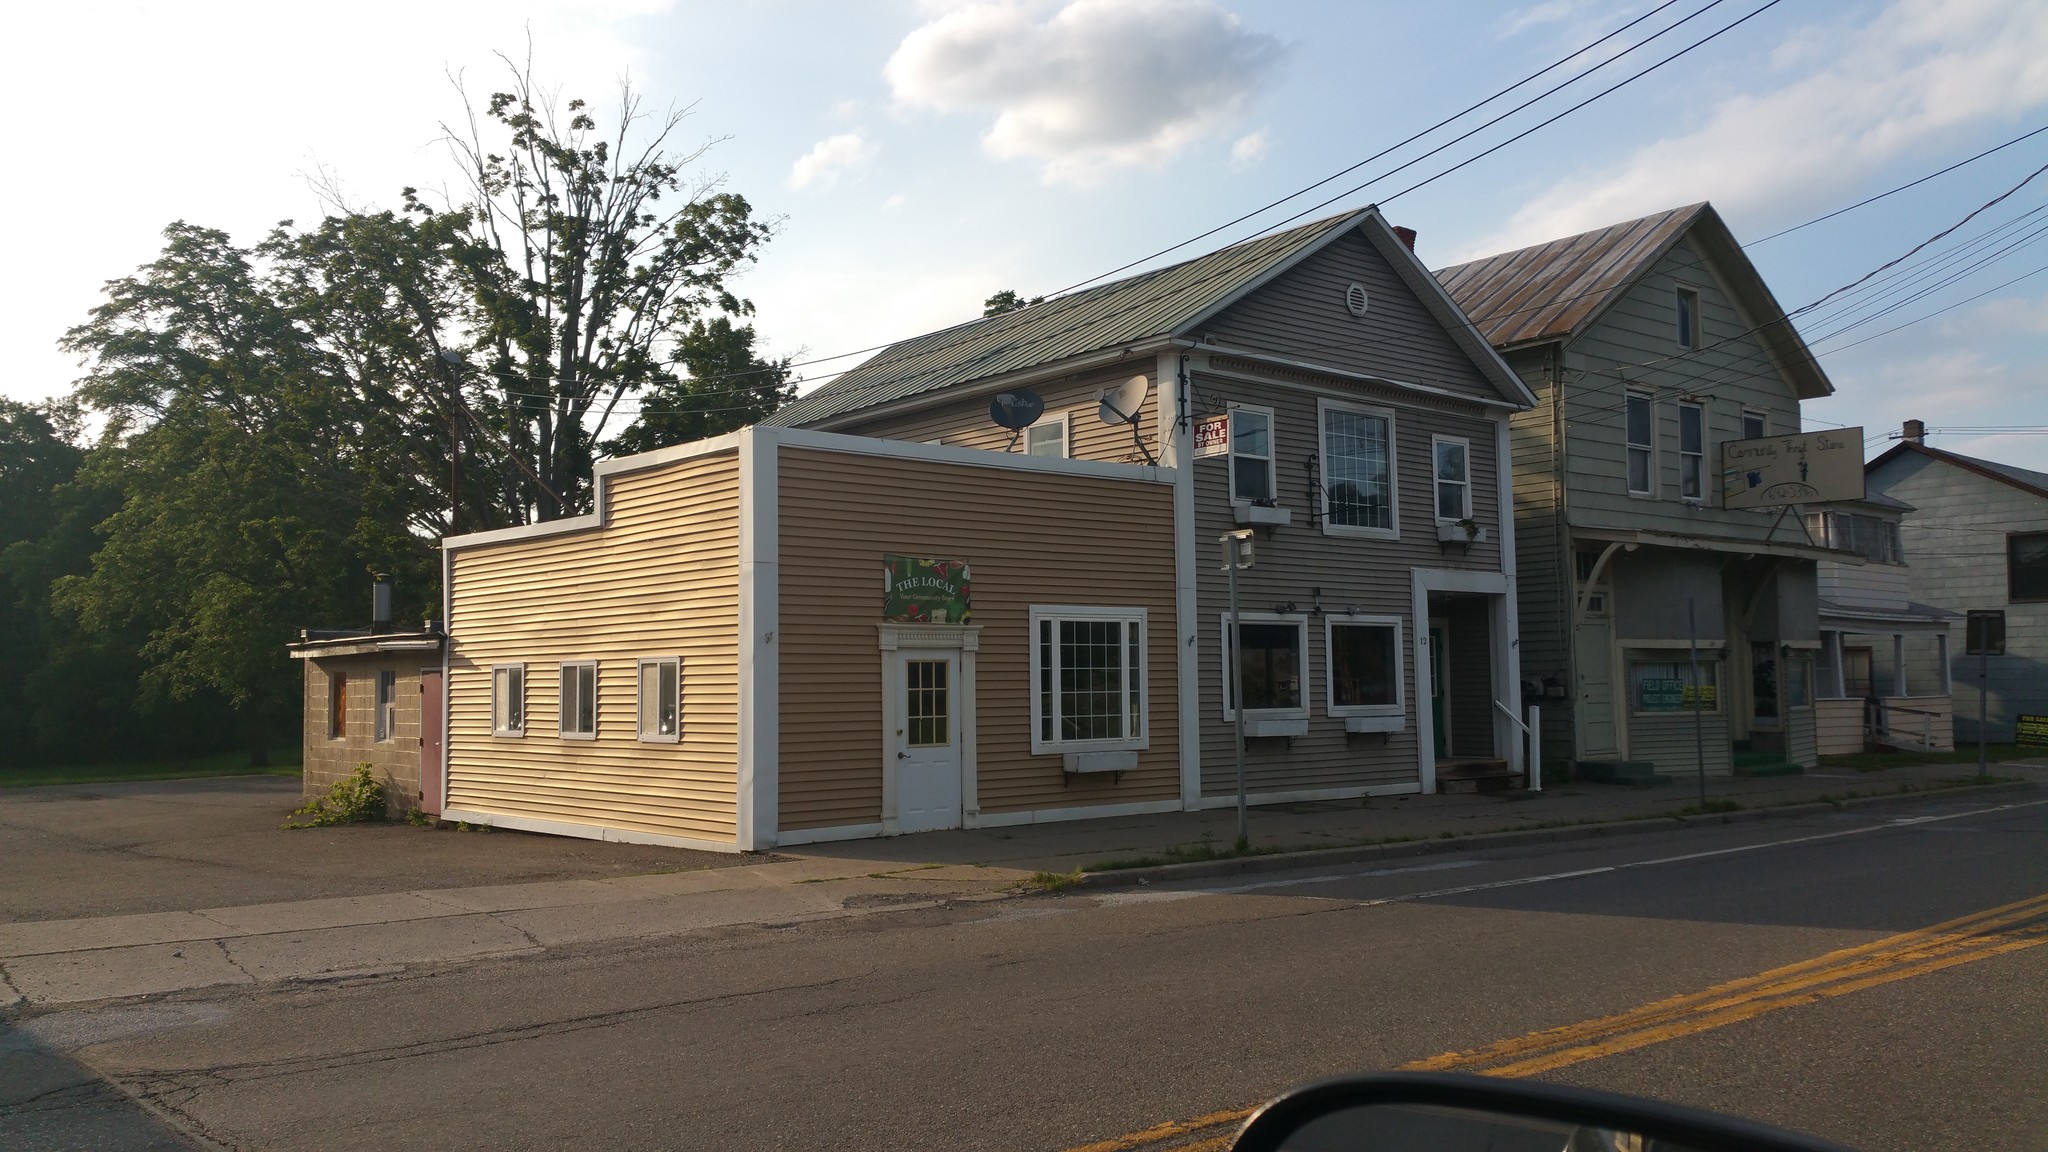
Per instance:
{"type": "Point", "coordinates": [1047, 1023]}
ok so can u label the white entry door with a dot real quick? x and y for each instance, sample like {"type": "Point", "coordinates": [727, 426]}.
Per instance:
{"type": "Point", "coordinates": [1596, 684]}
{"type": "Point", "coordinates": [926, 722]}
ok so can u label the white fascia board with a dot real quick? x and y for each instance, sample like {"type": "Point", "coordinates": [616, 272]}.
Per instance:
{"type": "Point", "coordinates": [601, 474]}
{"type": "Point", "coordinates": [1430, 390]}
{"type": "Point", "coordinates": [987, 385]}
{"type": "Point", "coordinates": [978, 457]}
{"type": "Point", "coordinates": [758, 786]}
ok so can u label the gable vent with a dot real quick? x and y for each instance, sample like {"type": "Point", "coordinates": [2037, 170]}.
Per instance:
{"type": "Point", "coordinates": [1355, 299]}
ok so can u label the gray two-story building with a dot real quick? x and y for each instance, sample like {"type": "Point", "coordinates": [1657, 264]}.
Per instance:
{"type": "Point", "coordinates": [1647, 345]}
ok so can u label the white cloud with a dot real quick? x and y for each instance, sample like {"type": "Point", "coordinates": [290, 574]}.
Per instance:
{"type": "Point", "coordinates": [829, 159]}
{"type": "Point", "coordinates": [1098, 86]}
{"type": "Point", "coordinates": [893, 202]}
{"type": "Point", "coordinates": [1249, 149]}
{"type": "Point", "coordinates": [1907, 80]}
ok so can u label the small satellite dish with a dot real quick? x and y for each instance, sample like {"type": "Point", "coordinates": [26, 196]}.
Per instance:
{"type": "Point", "coordinates": [1016, 410]}
{"type": "Point", "coordinates": [1121, 406]}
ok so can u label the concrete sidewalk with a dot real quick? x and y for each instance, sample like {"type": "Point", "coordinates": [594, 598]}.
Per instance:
{"type": "Point", "coordinates": [59, 961]}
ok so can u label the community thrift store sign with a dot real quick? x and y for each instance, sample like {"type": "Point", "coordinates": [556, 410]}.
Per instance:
{"type": "Point", "coordinates": [918, 591]}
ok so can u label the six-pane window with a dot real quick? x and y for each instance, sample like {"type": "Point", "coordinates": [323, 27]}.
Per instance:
{"type": "Point", "coordinates": [661, 706]}
{"type": "Point", "coordinates": [1642, 449]}
{"type": "Point", "coordinates": [508, 700]}
{"type": "Point", "coordinates": [1358, 488]}
{"type": "Point", "coordinates": [1251, 454]}
{"type": "Point", "coordinates": [579, 701]}
{"type": "Point", "coordinates": [1692, 451]}
{"type": "Point", "coordinates": [1272, 660]}
{"type": "Point", "coordinates": [1453, 480]}
{"type": "Point", "coordinates": [1364, 665]}
{"type": "Point", "coordinates": [1088, 679]}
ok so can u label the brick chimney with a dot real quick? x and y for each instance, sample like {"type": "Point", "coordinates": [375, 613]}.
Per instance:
{"type": "Point", "coordinates": [1913, 432]}
{"type": "Point", "coordinates": [1407, 236]}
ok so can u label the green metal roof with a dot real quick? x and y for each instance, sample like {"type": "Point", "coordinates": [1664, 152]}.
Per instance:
{"type": "Point", "coordinates": [1146, 306]}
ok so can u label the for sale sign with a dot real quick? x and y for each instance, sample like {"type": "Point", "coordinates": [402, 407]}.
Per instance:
{"type": "Point", "coordinates": [1212, 436]}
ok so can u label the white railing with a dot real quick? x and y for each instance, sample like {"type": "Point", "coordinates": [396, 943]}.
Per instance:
{"type": "Point", "coordinates": [1534, 731]}
{"type": "Point", "coordinates": [1881, 727]}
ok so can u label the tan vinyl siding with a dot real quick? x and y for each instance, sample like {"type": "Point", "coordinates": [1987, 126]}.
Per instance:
{"type": "Point", "coordinates": [1031, 538]}
{"type": "Point", "coordinates": [1302, 315]}
{"type": "Point", "coordinates": [964, 422]}
{"type": "Point", "coordinates": [1369, 575]}
{"type": "Point", "coordinates": [661, 578]}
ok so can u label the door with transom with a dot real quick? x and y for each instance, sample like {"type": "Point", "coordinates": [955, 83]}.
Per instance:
{"type": "Point", "coordinates": [924, 725]}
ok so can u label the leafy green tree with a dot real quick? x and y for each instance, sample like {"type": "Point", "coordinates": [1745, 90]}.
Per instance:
{"type": "Point", "coordinates": [728, 386]}
{"type": "Point", "coordinates": [1007, 301]}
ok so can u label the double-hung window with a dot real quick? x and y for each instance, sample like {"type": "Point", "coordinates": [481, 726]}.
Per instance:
{"type": "Point", "coordinates": [578, 719]}
{"type": "Point", "coordinates": [1362, 657]}
{"type": "Point", "coordinates": [337, 706]}
{"type": "Point", "coordinates": [1271, 652]}
{"type": "Point", "coordinates": [1692, 451]}
{"type": "Point", "coordinates": [1642, 445]}
{"type": "Point", "coordinates": [1755, 424]}
{"type": "Point", "coordinates": [1453, 479]}
{"type": "Point", "coordinates": [387, 704]}
{"type": "Point", "coordinates": [1688, 318]}
{"type": "Point", "coordinates": [508, 699]}
{"type": "Point", "coordinates": [2026, 566]}
{"type": "Point", "coordinates": [1048, 437]}
{"type": "Point", "coordinates": [1358, 471]}
{"type": "Point", "coordinates": [1251, 455]}
{"type": "Point", "coordinates": [1088, 679]}
{"type": "Point", "coordinates": [661, 699]}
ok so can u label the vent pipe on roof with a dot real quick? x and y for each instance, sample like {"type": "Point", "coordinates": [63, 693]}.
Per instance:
{"type": "Point", "coordinates": [1407, 236]}
{"type": "Point", "coordinates": [1914, 432]}
{"type": "Point", "coordinates": [380, 604]}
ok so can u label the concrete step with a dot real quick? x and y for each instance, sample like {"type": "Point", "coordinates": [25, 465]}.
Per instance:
{"type": "Point", "coordinates": [1476, 775]}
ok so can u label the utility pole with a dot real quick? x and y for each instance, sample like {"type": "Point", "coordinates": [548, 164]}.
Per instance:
{"type": "Point", "coordinates": [1699, 699]}
{"type": "Point", "coordinates": [1237, 553]}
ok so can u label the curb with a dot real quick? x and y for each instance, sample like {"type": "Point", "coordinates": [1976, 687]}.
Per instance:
{"type": "Point", "coordinates": [1316, 857]}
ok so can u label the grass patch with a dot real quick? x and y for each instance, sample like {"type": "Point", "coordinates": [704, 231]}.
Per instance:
{"type": "Point", "coordinates": [1879, 761]}
{"type": "Point", "coordinates": [1053, 881]}
{"type": "Point", "coordinates": [1185, 854]}
{"type": "Point", "coordinates": [182, 768]}
{"type": "Point", "coordinates": [1710, 808]}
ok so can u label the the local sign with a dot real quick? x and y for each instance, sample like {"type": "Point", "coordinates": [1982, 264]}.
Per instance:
{"type": "Point", "coordinates": [1212, 436]}
{"type": "Point", "coordinates": [916, 591]}
{"type": "Point", "coordinates": [1774, 471]}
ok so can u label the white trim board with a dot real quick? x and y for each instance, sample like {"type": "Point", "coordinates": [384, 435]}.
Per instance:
{"type": "Point", "coordinates": [758, 787]}
{"type": "Point", "coordinates": [601, 474]}
{"type": "Point", "coordinates": [584, 831]}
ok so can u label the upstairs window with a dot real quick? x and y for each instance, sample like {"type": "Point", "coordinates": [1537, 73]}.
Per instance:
{"type": "Point", "coordinates": [1688, 318]}
{"type": "Point", "coordinates": [1642, 445]}
{"type": "Point", "coordinates": [1874, 538]}
{"type": "Point", "coordinates": [579, 701]}
{"type": "Point", "coordinates": [1755, 426]}
{"type": "Point", "coordinates": [508, 700]}
{"type": "Point", "coordinates": [1692, 451]}
{"type": "Point", "coordinates": [661, 699]}
{"type": "Point", "coordinates": [1357, 466]}
{"type": "Point", "coordinates": [1048, 437]}
{"type": "Point", "coordinates": [1251, 455]}
{"type": "Point", "coordinates": [1453, 479]}
{"type": "Point", "coordinates": [2026, 566]}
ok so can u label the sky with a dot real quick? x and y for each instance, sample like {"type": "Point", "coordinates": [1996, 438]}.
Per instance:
{"type": "Point", "coordinates": [918, 156]}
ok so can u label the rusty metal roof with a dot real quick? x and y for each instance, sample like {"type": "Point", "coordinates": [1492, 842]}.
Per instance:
{"type": "Point", "coordinates": [1551, 291]}
{"type": "Point", "coordinates": [1148, 305]}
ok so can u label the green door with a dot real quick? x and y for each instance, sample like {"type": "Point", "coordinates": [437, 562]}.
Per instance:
{"type": "Point", "coordinates": [1439, 676]}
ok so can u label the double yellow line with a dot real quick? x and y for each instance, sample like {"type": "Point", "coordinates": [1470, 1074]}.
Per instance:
{"type": "Point", "coordinates": [1978, 936]}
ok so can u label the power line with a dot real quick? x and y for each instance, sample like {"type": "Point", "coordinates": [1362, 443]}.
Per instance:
{"type": "Point", "coordinates": [1900, 188]}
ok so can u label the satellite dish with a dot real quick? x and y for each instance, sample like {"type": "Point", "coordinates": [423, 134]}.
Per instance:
{"type": "Point", "coordinates": [1121, 406]}
{"type": "Point", "coordinates": [1016, 410]}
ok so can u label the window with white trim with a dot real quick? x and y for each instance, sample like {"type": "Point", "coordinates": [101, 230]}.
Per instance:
{"type": "Point", "coordinates": [1048, 437]}
{"type": "Point", "coordinates": [1358, 470]}
{"type": "Point", "coordinates": [1088, 679]}
{"type": "Point", "coordinates": [387, 704]}
{"type": "Point", "coordinates": [1272, 651]}
{"type": "Point", "coordinates": [1642, 445]}
{"type": "Point", "coordinates": [508, 699]}
{"type": "Point", "coordinates": [1453, 458]}
{"type": "Point", "coordinates": [661, 699]}
{"type": "Point", "coordinates": [1362, 665]}
{"type": "Point", "coordinates": [1251, 454]}
{"type": "Point", "coordinates": [578, 720]}
{"type": "Point", "coordinates": [1755, 425]}
{"type": "Point", "coordinates": [1688, 318]}
{"type": "Point", "coordinates": [1692, 451]}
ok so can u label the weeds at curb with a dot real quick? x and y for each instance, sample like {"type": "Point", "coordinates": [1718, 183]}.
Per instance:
{"type": "Point", "coordinates": [354, 799]}
{"type": "Point", "coordinates": [1053, 881]}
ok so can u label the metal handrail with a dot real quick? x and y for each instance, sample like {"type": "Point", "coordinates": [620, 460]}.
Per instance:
{"type": "Point", "coordinates": [1534, 731]}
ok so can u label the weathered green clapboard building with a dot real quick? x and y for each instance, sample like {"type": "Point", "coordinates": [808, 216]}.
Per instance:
{"type": "Point", "coordinates": [1648, 343]}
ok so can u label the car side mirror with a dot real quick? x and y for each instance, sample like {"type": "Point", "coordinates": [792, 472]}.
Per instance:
{"type": "Point", "coordinates": [1441, 1112]}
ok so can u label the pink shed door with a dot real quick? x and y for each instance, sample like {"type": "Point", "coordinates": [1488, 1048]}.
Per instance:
{"type": "Point", "coordinates": [430, 741]}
